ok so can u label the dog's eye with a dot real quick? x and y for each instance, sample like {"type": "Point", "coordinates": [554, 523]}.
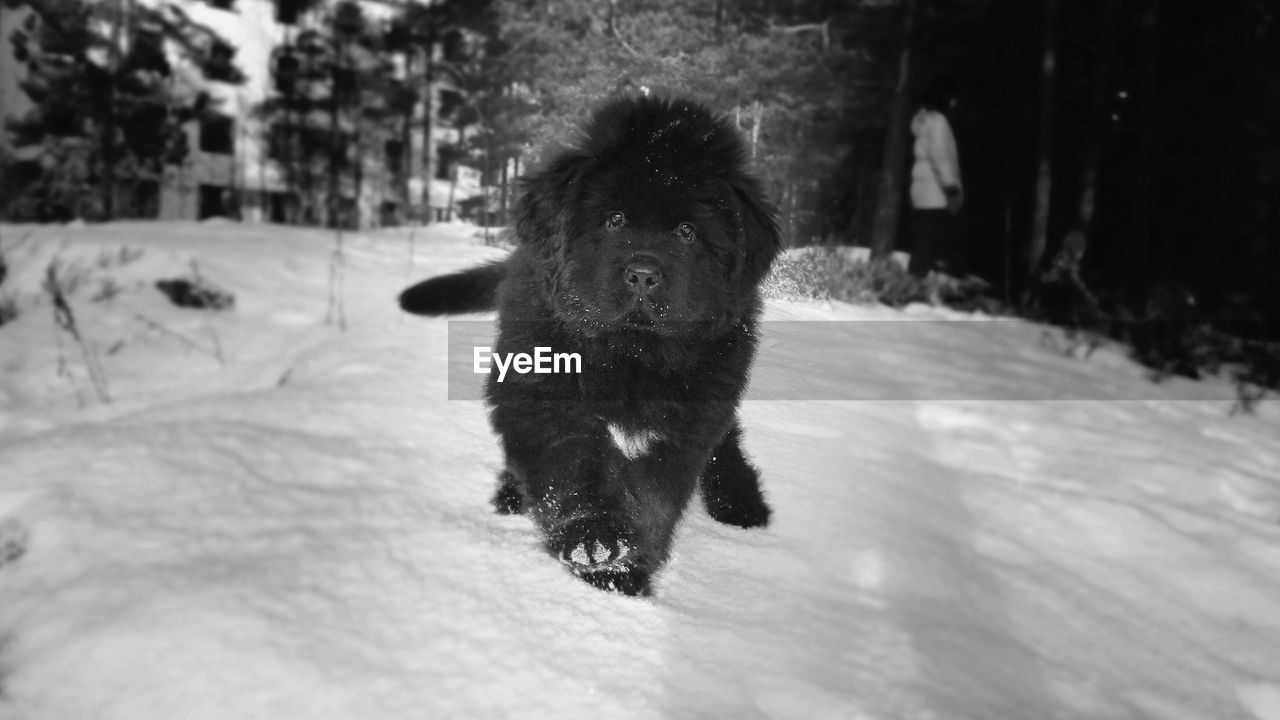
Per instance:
{"type": "Point", "coordinates": [685, 232]}
{"type": "Point", "coordinates": [615, 220]}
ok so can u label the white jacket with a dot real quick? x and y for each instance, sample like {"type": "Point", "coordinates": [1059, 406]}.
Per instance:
{"type": "Point", "coordinates": [937, 164]}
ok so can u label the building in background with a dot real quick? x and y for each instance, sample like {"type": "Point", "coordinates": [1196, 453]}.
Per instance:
{"type": "Point", "coordinates": [13, 102]}
{"type": "Point", "coordinates": [234, 169]}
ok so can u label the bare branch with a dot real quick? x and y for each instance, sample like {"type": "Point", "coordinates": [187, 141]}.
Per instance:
{"type": "Point", "coordinates": [617, 34]}
{"type": "Point", "coordinates": [215, 352]}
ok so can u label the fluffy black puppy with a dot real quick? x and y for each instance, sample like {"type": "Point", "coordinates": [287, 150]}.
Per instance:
{"type": "Point", "coordinates": [640, 248]}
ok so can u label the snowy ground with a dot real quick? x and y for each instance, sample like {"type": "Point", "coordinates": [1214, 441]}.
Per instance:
{"type": "Point", "coordinates": [300, 529]}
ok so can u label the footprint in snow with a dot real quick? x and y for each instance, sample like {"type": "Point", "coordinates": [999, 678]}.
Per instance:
{"type": "Point", "coordinates": [13, 541]}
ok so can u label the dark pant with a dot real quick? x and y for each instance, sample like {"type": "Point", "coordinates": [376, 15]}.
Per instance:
{"type": "Point", "coordinates": [935, 244]}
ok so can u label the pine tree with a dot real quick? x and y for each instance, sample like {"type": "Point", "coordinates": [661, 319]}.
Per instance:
{"type": "Point", "coordinates": [109, 103]}
{"type": "Point", "coordinates": [323, 116]}
{"type": "Point", "coordinates": [426, 37]}
{"type": "Point", "coordinates": [793, 76]}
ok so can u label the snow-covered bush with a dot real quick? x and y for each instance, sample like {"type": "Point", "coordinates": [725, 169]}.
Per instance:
{"type": "Point", "coordinates": [831, 273]}
{"type": "Point", "coordinates": [797, 275]}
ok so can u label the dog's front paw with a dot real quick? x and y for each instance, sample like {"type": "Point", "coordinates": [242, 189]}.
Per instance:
{"type": "Point", "coordinates": [593, 544]}
{"type": "Point", "coordinates": [627, 581]}
{"type": "Point", "coordinates": [601, 552]}
{"type": "Point", "coordinates": [746, 510]}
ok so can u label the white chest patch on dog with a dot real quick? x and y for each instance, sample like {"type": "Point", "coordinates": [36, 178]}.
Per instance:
{"type": "Point", "coordinates": [632, 444]}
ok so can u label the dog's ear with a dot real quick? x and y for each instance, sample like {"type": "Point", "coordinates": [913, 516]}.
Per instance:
{"type": "Point", "coordinates": [761, 240]}
{"type": "Point", "coordinates": [548, 194]}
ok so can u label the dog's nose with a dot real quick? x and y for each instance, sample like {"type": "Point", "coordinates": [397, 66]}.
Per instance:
{"type": "Point", "coordinates": [642, 277]}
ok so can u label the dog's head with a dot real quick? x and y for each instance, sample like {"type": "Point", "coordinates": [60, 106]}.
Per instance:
{"type": "Point", "coordinates": [651, 222]}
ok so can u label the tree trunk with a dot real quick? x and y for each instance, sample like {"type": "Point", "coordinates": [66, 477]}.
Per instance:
{"type": "Point", "coordinates": [1257, 192]}
{"type": "Point", "coordinates": [866, 177]}
{"type": "Point", "coordinates": [357, 170]}
{"type": "Point", "coordinates": [182, 192]}
{"type": "Point", "coordinates": [884, 231]}
{"type": "Point", "coordinates": [428, 143]}
{"type": "Point", "coordinates": [4, 101]}
{"type": "Point", "coordinates": [108, 131]}
{"type": "Point", "coordinates": [1140, 249]}
{"type": "Point", "coordinates": [304, 162]}
{"type": "Point", "coordinates": [406, 140]}
{"type": "Point", "coordinates": [239, 168]}
{"type": "Point", "coordinates": [288, 137]}
{"type": "Point", "coordinates": [1233, 112]}
{"type": "Point", "coordinates": [335, 145]}
{"type": "Point", "coordinates": [502, 191]}
{"type": "Point", "coordinates": [453, 179]}
{"type": "Point", "coordinates": [1096, 130]}
{"type": "Point", "coordinates": [1017, 119]}
{"type": "Point", "coordinates": [486, 182]}
{"type": "Point", "coordinates": [1044, 152]}
{"type": "Point", "coordinates": [264, 197]}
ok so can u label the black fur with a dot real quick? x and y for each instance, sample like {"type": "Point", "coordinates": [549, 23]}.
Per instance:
{"type": "Point", "coordinates": [641, 249]}
{"type": "Point", "coordinates": [467, 291]}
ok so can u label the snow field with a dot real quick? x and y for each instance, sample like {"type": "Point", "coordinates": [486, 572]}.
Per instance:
{"type": "Point", "coordinates": [301, 529]}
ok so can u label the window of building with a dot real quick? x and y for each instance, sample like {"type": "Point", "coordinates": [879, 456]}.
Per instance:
{"type": "Point", "coordinates": [389, 213]}
{"type": "Point", "coordinates": [146, 199]}
{"type": "Point", "coordinates": [147, 51]}
{"type": "Point", "coordinates": [223, 4]}
{"type": "Point", "coordinates": [287, 67]}
{"type": "Point", "coordinates": [395, 157]}
{"type": "Point", "coordinates": [278, 143]}
{"type": "Point", "coordinates": [220, 65]}
{"type": "Point", "coordinates": [454, 46]}
{"type": "Point", "coordinates": [344, 213]}
{"type": "Point", "coordinates": [217, 134]}
{"type": "Point", "coordinates": [288, 11]}
{"type": "Point", "coordinates": [348, 20]}
{"type": "Point", "coordinates": [281, 207]}
{"type": "Point", "coordinates": [213, 201]}
{"type": "Point", "coordinates": [329, 146]}
{"type": "Point", "coordinates": [345, 86]}
{"type": "Point", "coordinates": [446, 157]}
{"type": "Point", "coordinates": [403, 98]}
{"type": "Point", "coordinates": [450, 101]}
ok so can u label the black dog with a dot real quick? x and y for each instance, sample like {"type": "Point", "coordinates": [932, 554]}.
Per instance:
{"type": "Point", "coordinates": [640, 249]}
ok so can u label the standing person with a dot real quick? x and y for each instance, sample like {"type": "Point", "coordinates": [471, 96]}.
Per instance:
{"type": "Point", "coordinates": [936, 191]}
